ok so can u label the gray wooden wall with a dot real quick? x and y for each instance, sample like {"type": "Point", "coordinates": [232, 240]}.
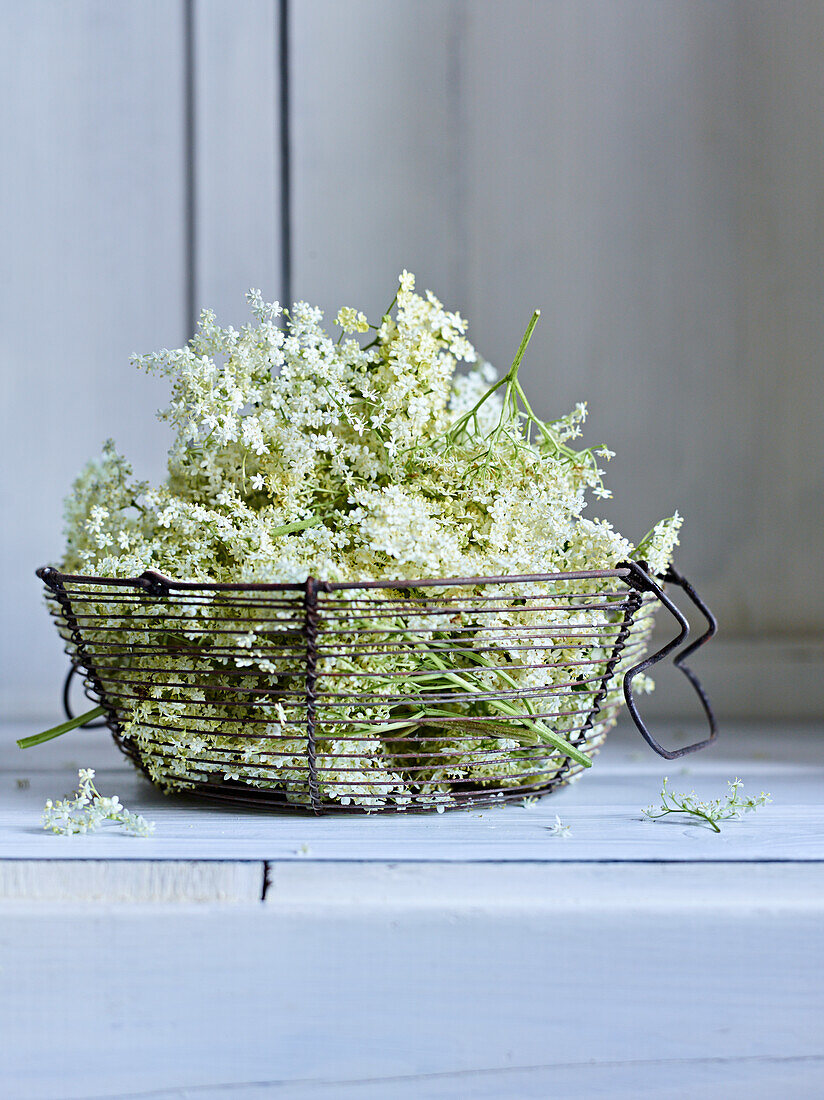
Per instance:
{"type": "Point", "coordinates": [648, 172]}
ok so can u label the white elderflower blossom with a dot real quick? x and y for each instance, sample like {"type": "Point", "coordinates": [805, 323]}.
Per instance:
{"type": "Point", "coordinates": [295, 454]}
{"type": "Point", "coordinates": [352, 320]}
{"type": "Point", "coordinates": [88, 810]}
{"type": "Point", "coordinates": [558, 828]}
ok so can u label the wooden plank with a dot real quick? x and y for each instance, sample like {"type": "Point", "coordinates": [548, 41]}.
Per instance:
{"type": "Point", "coordinates": [603, 811]}
{"type": "Point", "coordinates": [189, 996]}
{"type": "Point", "coordinates": [551, 890]}
{"type": "Point", "coordinates": [237, 155]}
{"type": "Point", "coordinates": [780, 384]}
{"type": "Point", "coordinates": [604, 833]}
{"type": "Point", "coordinates": [132, 882]}
{"type": "Point", "coordinates": [754, 1078]}
{"type": "Point", "coordinates": [93, 190]}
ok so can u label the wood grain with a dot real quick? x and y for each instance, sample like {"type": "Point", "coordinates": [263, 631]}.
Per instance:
{"type": "Point", "coordinates": [639, 1079]}
{"type": "Point", "coordinates": [93, 198]}
{"type": "Point", "coordinates": [181, 996]}
{"type": "Point", "coordinates": [438, 956]}
{"type": "Point", "coordinates": [602, 809]}
{"type": "Point", "coordinates": [136, 882]}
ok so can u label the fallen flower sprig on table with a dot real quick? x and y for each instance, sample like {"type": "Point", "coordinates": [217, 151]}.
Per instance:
{"type": "Point", "coordinates": [732, 806]}
{"type": "Point", "coordinates": [88, 810]}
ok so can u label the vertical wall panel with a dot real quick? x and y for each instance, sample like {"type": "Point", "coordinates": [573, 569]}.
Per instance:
{"type": "Point", "coordinates": [123, 114]}
{"type": "Point", "coordinates": [376, 173]}
{"type": "Point", "coordinates": [236, 155]}
{"type": "Point", "coordinates": [656, 187]}
{"type": "Point", "coordinates": [602, 184]}
{"type": "Point", "coordinates": [93, 199]}
{"type": "Point", "coordinates": [777, 560]}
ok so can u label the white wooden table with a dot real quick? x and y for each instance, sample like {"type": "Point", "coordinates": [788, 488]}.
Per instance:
{"type": "Point", "coordinates": [466, 954]}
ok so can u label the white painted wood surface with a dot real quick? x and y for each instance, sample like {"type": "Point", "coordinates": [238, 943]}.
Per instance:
{"type": "Point", "coordinates": [92, 194]}
{"type": "Point", "coordinates": [430, 956]}
{"type": "Point", "coordinates": [102, 880]}
{"type": "Point", "coordinates": [602, 808]}
{"type": "Point", "coordinates": [378, 181]}
{"type": "Point", "coordinates": [641, 990]}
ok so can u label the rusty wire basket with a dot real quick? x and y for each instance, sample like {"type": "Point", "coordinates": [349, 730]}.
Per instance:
{"type": "Point", "coordinates": [378, 696]}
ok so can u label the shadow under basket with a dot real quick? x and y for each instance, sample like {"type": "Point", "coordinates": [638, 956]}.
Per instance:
{"type": "Point", "coordinates": [374, 696]}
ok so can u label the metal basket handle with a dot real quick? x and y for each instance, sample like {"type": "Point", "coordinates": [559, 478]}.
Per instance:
{"type": "Point", "coordinates": [67, 707]}
{"type": "Point", "coordinates": [642, 581]}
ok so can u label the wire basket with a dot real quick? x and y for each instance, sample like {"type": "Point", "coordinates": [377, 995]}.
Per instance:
{"type": "Point", "coordinates": [378, 696]}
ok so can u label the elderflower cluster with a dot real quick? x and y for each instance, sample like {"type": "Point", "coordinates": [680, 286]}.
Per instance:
{"type": "Point", "coordinates": [727, 808]}
{"type": "Point", "coordinates": [399, 456]}
{"type": "Point", "coordinates": [88, 810]}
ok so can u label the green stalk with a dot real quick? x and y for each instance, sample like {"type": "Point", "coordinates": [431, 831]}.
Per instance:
{"type": "Point", "coordinates": [447, 675]}
{"type": "Point", "coordinates": [527, 336]}
{"type": "Point", "coordinates": [507, 381]}
{"type": "Point", "coordinates": [58, 731]}
{"type": "Point", "coordinates": [300, 525]}
{"type": "Point", "coordinates": [544, 734]}
{"type": "Point", "coordinates": [695, 813]}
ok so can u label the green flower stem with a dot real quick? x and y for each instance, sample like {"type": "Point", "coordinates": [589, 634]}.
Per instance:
{"type": "Point", "coordinates": [541, 732]}
{"type": "Point", "coordinates": [507, 380]}
{"type": "Point", "coordinates": [695, 813]}
{"type": "Point", "coordinates": [547, 433]}
{"type": "Point", "coordinates": [443, 676]}
{"type": "Point", "coordinates": [300, 525]}
{"type": "Point", "coordinates": [514, 394]}
{"type": "Point", "coordinates": [58, 731]}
